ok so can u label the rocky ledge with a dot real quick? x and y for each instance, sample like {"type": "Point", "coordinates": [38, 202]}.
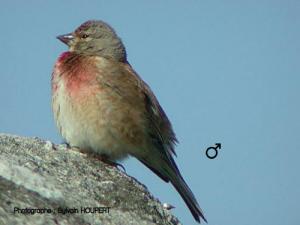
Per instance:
{"type": "Point", "coordinates": [43, 183]}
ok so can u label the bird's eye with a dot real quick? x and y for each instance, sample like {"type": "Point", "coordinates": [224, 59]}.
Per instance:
{"type": "Point", "coordinates": [84, 36]}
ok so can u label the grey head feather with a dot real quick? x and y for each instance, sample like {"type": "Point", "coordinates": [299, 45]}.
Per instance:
{"type": "Point", "coordinates": [95, 37]}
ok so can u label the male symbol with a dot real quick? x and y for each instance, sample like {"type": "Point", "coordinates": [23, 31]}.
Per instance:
{"type": "Point", "coordinates": [218, 145]}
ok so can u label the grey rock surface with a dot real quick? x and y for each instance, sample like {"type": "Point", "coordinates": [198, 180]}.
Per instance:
{"type": "Point", "coordinates": [43, 183]}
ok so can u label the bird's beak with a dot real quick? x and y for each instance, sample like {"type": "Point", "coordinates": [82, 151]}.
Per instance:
{"type": "Point", "coordinates": [66, 38]}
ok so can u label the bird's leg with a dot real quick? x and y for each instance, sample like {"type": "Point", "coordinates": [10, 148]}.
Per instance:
{"type": "Point", "coordinates": [105, 159]}
{"type": "Point", "coordinates": [68, 146]}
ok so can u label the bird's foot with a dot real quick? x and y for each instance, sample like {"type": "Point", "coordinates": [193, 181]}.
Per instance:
{"type": "Point", "coordinates": [67, 145]}
{"type": "Point", "coordinates": [102, 158]}
{"type": "Point", "coordinates": [105, 159]}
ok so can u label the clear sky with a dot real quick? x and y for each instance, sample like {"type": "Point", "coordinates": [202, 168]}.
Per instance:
{"type": "Point", "coordinates": [224, 71]}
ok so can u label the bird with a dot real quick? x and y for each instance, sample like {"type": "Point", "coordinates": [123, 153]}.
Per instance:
{"type": "Point", "coordinates": [102, 106]}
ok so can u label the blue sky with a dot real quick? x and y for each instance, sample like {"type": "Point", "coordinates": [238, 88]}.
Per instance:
{"type": "Point", "coordinates": [224, 71]}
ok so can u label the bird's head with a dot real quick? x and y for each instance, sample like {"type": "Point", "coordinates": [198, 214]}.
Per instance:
{"type": "Point", "coordinates": [95, 37]}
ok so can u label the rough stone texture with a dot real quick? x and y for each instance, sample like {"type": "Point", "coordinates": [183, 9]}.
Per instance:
{"type": "Point", "coordinates": [37, 174]}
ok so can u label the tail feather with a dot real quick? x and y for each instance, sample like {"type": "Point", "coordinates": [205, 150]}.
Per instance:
{"type": "Point", "coordinates": [169, 172]}
{"type": "Point", "coordinates": [188, 197]}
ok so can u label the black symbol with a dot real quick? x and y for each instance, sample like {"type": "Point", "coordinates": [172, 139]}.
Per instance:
{"type": "Point", "coordinates": [215, 149]}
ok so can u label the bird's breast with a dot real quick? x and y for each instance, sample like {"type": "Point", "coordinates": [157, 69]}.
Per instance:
{"type": "Point", "coordinates": [78, 73]}
{"type": "Point", "coordinates": [87, 114]}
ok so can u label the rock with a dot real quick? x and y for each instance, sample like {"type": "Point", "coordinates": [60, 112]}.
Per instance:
{"type": "Point", "coordinates": [43, 183]}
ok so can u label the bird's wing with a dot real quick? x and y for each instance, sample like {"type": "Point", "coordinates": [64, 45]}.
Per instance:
{"type": "Point", "coordinates": [125, 82]}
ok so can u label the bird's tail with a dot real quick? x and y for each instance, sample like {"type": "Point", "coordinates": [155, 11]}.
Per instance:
{"type": "Point", "coordinates": [188, 197]}
{"type": "Point", "coordinates": [169, 172]}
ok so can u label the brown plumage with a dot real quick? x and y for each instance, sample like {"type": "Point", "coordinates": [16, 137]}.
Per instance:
{"type": "Point", "coordinates": [101, 105]}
